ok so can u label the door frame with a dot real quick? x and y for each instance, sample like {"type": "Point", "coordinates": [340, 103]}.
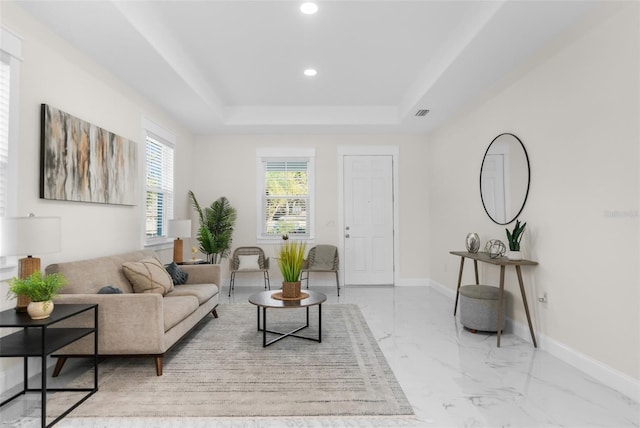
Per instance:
{"type": "Point", "coordinates": [392, 151]}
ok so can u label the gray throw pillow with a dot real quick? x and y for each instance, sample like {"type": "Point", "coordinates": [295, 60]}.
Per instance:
{"type": "Point", "coordinates": [110, 289]}
{"type": "Point", "coordinates": [178, 276]}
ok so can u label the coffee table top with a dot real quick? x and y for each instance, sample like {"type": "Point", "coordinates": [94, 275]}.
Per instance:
{"type": "Point", "coordinates": [264, 299]}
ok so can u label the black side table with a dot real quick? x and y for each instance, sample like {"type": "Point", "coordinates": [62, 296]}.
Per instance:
{"type": "Point", "coordinates": [39, 338]}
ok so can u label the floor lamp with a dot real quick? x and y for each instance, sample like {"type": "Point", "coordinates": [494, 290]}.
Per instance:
{"type": "Point", "coordinates": [177, 229]}
{"type": "Point", "coordinates": [25, 236]}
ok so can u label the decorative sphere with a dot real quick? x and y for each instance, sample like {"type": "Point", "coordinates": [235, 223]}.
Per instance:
{"type": "Point", "coordinates": [495, 248]}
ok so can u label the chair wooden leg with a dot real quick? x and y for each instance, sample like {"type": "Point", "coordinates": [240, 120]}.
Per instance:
{"type": "Point", "coordinates": [158, 366]}
{"type": "Point", "coordinates": [214, 312]}
{"type": "Point", "coordinates": [338, 283]}
{"type": "Point", "coordinates": [58, 367]}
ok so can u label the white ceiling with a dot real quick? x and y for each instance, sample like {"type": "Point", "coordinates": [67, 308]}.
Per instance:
{"type": "Point", "coordinates": [236, 66]}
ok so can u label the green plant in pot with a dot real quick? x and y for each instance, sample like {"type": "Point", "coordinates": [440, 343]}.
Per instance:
{"type": "Point", "coordinates": [40, 289]}
{"type": "Point", "coordinates": [514, 239]}
{"type": "Point", "coordinates": [216, 227]}
{"type": "Point", "coordinates": [291, 258]}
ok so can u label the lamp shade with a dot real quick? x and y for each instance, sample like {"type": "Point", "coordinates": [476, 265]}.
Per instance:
{"type": "Point", "coordinates": [22, 236]}
{"type": "Point", "coordinates": [179, 228]}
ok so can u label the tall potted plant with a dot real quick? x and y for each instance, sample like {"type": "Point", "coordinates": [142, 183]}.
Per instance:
{"type": "Point", "coordinates": [40, 289]}
{"type": "Point", "coordinates": [216, 227]}
{"type": "Point", "coordinates": [290, 263]}
{"type": "Point", "coordinates": [514, 239]}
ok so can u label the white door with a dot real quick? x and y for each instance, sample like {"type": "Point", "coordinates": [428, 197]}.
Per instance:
{"type": "Point", "coordinates": [368, 220]}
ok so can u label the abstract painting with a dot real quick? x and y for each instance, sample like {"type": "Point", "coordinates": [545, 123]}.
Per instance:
{"type": "Point", "coordinates": [85, 163]}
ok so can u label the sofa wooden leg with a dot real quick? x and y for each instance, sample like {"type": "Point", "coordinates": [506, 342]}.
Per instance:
{"type": "Point", "coordinates": [159, 366]}
{"type": "Point", "coordinates": [214, 312]}
{"type": "Point", "coordinates": [58, 367]}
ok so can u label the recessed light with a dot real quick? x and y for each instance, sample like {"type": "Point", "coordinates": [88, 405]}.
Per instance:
{"type": "Point", "coordinates": [308, 8]}
{"type": "Point", "coordinates": [310, 72]}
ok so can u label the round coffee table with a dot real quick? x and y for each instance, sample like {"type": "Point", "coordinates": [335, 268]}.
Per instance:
{"type": "Point", "coordinates": [265, 300]}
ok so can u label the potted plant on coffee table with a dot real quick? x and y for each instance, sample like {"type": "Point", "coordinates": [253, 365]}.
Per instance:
{"type": "Point", "coordinates": [291, 258]}
{"type": "Point", "coordinates": [514, 241]}
{"type": "Point", "coordinates": [40, 289]}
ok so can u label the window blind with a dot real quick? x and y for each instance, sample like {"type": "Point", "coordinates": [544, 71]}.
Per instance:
{"type": "Point", "coordinates": [5, 93]}
{"type": "Point", "coordinates": [159, 186]}
{"type": "Point", "coordinates": [286, 198]}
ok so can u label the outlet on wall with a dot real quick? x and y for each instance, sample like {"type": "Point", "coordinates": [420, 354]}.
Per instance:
{"type": "Point", "coordinates": [543, 298]}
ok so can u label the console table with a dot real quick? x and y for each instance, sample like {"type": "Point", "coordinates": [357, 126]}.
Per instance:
{"type": "Point", "coordinates": [503, 262]}
{"type": "Point", "coordinates": [39, 338]}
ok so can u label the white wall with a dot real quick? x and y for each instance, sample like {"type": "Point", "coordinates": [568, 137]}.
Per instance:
{"type": "Point", "coordinates": [56, 74]}
{"type": "Point", "coordinates": [577, 112]}
{"type": "Point", "coordinates": [226, 166]}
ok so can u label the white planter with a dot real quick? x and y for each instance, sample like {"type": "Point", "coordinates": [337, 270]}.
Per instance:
{"type": "Point", "coordinates": [514, 255]}
{"type": "Point", "coordinates": [40, 310]}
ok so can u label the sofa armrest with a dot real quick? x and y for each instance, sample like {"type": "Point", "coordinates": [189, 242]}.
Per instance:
{"type": "Point", "coordinates": [129, 323]}
{"type": "Point", "coordinates": [203, 274]}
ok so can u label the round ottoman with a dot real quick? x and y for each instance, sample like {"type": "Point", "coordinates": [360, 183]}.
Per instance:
{"type": "Point", "coordinates": [479, 307]}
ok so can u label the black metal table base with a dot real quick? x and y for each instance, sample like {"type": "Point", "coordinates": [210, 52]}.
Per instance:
{"type": "Point", "coordinates": [262, 326]}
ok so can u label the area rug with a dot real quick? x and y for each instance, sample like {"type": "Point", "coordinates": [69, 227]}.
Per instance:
{"type": "Point", "coordinates": [222, 370]}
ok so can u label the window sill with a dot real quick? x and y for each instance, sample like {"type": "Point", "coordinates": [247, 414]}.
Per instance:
{"type": "Point", "coordinates": [278, 240]}
{"type": "Point", "coordinates": [159, 244]}
{"type": "Point", "coordinates": [8, 271]}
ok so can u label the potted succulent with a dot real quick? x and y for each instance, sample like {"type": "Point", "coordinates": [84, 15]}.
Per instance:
{"type": "Point", "coordinates": [290, 262]}
{"type": "Point", "coordinates": [40, 289]}
{"type": "Point", "coordinates": [514, 241]}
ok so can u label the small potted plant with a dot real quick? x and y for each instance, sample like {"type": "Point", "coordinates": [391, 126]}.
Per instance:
{"type": "Point", "coordinates": [40, 289]}
{"type": "Point", "coordinates": [290, 263]}
{"type": "Point", "coordinates": [514, 241]}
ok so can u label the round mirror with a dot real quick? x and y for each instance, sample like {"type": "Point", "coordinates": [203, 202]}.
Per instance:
{"type": "Point", "coordinates": [504, 178]}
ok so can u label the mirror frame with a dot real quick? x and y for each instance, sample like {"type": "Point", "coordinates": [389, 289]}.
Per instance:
{"type": "Point", "coordinates": [526, 195]}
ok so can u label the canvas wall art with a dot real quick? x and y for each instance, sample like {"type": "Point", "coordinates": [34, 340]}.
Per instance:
{"type": "Point", "coordinates": [83, 162]}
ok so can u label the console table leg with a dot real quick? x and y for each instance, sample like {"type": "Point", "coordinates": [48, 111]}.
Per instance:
{"type": "Point", "coordinates": [500, 304]}
{"type": "Point", "coordinates": [455, 307]}
{"type": "Point", "coordinates": [526, 305]}
{"type": "Point", "coordinates": [475, 267]}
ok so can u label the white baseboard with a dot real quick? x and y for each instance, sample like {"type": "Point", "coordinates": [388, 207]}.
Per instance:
{"type": "Point", "coordinates": [412, 282]}
{"type": "Point", "coordinates": [609, 376]}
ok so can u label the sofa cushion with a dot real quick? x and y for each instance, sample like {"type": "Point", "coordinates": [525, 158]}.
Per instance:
{"type": "Point", "coordinates": [148, 276]}
{"type": "Point", "coordinates": [202, 292]}
{"type": "Point", "coordinates": [178, 276]}
{"type": "Point", "coordinates": [177, 308]}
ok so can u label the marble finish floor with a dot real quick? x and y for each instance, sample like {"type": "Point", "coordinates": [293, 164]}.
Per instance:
{"type": "Point", "coordinates": [452, 378]}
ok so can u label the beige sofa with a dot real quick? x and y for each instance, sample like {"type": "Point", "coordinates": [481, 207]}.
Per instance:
{"type": "Point", "coordinates": [134, 323]}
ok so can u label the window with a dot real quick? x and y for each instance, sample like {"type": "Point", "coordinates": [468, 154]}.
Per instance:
{"type": "Point", "coordinates": [159, 187]}
{"type": "Point", "coordinates": [285, 194]}
{"type": "Point", "coordinates": [5, 92]}
{"type": "Point", "coordinates": [10, 57]}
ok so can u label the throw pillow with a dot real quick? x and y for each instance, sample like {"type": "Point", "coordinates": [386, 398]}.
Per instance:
{"type": "Point", "coordinates": [148, 276]}
{"type": "Point", "coordinates": [178, 276]}
{"type": "Point", "coordinates": [109, 289]}
{"type": "Point", "coordinates": [248, 262]}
